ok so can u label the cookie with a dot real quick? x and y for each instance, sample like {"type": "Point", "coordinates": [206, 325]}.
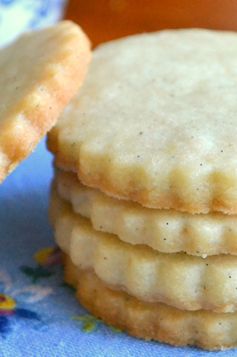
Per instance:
{"type": "Point", "coordinates": [179, 280]}
{"type": "Point", "coordinates": [152, 321]}
{"type": "Point", "coordinates": [40, 73]}
{"type": "Point", "coordinates": [167, 231]}
{"type": "Point", "coordinates": [155, 121]}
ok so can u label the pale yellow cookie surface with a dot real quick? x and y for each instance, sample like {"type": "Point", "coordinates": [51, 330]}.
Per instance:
{"type": "Point", "coordinates": [155, 121]}
{"type": "Point", "coordinates": [167, 231]}
{"type": "Point", "coordinates": [205, 329]}
{"type": "Point", "coordinates": [179, 280]}
{"type": "Point", "coordinates": [39, 74]}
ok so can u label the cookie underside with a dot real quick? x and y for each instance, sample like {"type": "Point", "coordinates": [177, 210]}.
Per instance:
{"type": "Point", "coordinates": [166, 231]}
{"type": "Point", "coordinates": [182, 281]}
{"type": "Point", "coordinates": [151, 321]}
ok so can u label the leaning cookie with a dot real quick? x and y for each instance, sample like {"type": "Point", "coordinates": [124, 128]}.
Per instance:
{"type": "Point", "coordinates": [40, 73]}
{"type": "Point", "coordinates": [179, 280]}
{"type": "Point", "coordinates": [155, 121]}
{"type": "Point", "coordinates": [167, 231]}
{"type": "Point", "coordinates": [152, 321]}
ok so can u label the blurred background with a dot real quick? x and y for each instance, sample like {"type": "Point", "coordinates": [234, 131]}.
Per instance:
{"type": "Point", "coordinates": [108, 19]}
{"type": "Point", "coordinates": [104, 20]}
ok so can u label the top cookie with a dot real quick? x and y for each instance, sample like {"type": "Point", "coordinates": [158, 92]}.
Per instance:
{"type": "Point", "coordinates": [156, 121]}
{"type": "Point", "coordinates": [40, 73]}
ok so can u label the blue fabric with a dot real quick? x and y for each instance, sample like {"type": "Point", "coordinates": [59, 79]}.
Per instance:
{"type": "Point", "coordinates": [17, 16]}
{"type": "Point", "coordinates": [47, 320]}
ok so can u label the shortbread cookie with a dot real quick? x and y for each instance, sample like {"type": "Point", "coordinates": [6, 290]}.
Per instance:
{"type": "Point", "coordinates": [155, 121]}
{"type": "Point", "coordinates": [152, 321]}
{"type": "Point", "coordinates": [167, 231]}
{"type": "Point", "coordinates": [179, 280]}
{"type": "Point", "coordinates": [40, 73]}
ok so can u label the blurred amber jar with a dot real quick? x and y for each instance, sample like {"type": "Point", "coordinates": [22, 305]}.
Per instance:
{"type": "Point", "coordinates": [107, 19]}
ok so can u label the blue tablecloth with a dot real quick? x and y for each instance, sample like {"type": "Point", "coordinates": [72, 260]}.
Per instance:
{"type": "Point", "coordinates": [43, 316]}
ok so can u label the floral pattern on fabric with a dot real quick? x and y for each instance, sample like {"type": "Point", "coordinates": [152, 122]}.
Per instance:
{"type": "Point", "coordinates": [90, 323]}
{"type": "Point", "coordinates": [46, 259]}
{"type": "Point", "coordinates": [13, 307]}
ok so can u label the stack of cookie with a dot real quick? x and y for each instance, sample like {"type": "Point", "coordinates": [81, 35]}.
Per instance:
{"type": "Point", "coordinates": [144, 201]}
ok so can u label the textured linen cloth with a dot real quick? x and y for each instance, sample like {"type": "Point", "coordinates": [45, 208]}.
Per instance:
{"type": "Point", "coordinates": [39, 315]}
